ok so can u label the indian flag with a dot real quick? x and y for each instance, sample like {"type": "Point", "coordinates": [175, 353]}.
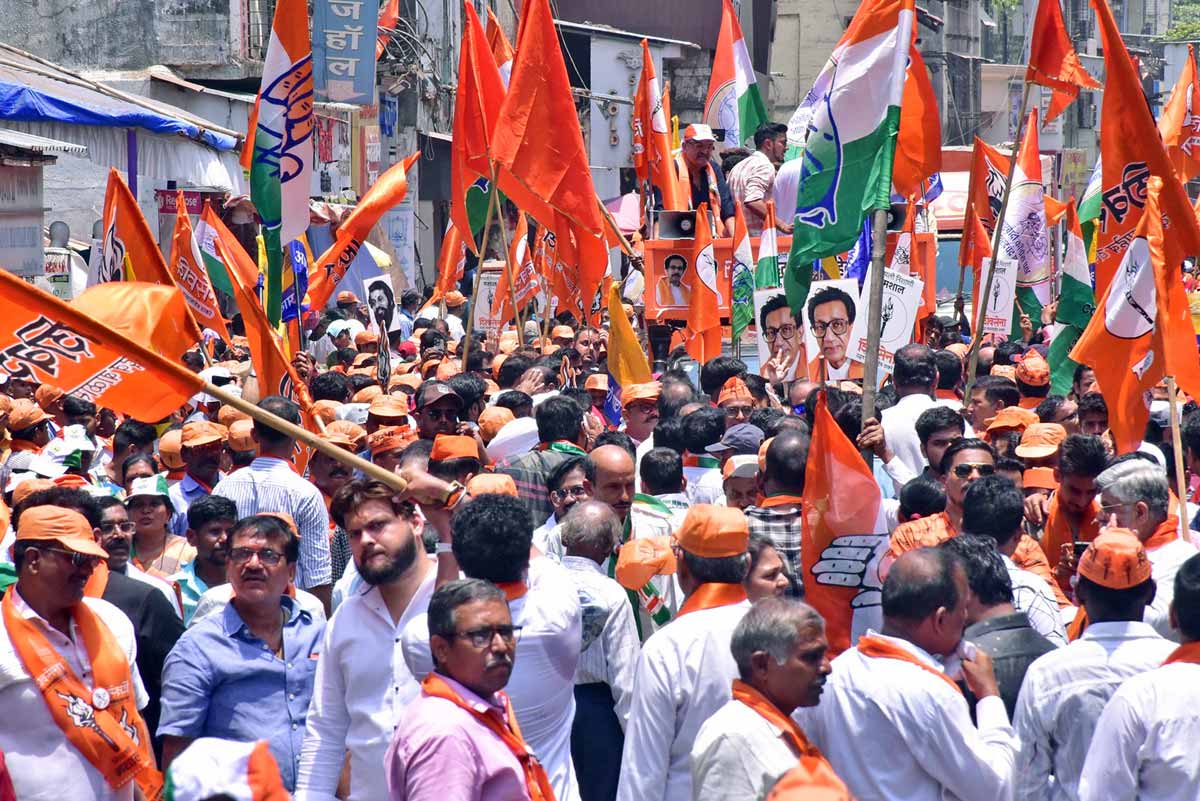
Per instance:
{"type": "Point", "coordinates": [281, 129]}
{"type": "Point", "coordinates": [734, 102]}
{"type": "Point", "coordinates": [1076, 303]}
{"type": "Point", "coordinates": [766, 270]}
{"type": "Point", "coordinates": [845, 131]}
{"type": "Point", "coordinates": [1024, 237]}
{"type": "Point", "coordinates": [206, 236]}
{"type": "Point", "coordinates": [741, 279]}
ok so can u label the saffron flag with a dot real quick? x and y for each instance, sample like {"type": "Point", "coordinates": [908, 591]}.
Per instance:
{"type": "Point", "coordinates": [1053, 62]}
{"type": "Point", "coordinates": [1131, 152]}
{"type": "Point", "coordinates": [741, 277]}
{"type": "Point", "coordinates": [652, 138]}
{"type": "Point", "coordinates": [919, 142]}
{"type": "Point", "coordinates": [848, 124]}
{"type": "Point", "coordinates": [702, 335]}
{"type": "Point", "coordinates": [152, 314]}
{"type": "Point", "coordinates": [561, 268]}
{"type": "Point", "coordinates": [734, 101]}
{"type": "Point", "coordinates": [389, 15]}
{"type": "Point", "coordinates": [452, 261]}
{"type": "Point", "coordinates": [1144, 329]}
{"type": "Point", "coordinates": [48, 341]}
{"type": "Point", "coordinates": [282, 133]}
{"type": "Point", "coordinates": [384, 194]}
{"type": "Point", "coordinates": [538, 146]}
{"type": "Point", "coordinates": [1179, 122]}
{"type": "Point", "coordinates": [502, 50]}
{"type": "Point", "coordinates": [477, 104]}
{"type": "Point", "coordinates": [1024, 238]}
{"type": "Point", "coordinates": [843, 537]}
{"type": "Point", "coordinates": [626, 359]}
{"type": "Point", "coordinates": [128, 250]}
{"type": "Point", "coordinates": [525, 281]}
{"type": "Point", "coordinates": [766, 269]}
{"type": "Point", "coordinates": [190, 274]}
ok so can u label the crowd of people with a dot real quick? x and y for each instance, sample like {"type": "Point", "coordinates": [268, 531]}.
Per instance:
{"type": "Point", "coordinates": [561, 605]}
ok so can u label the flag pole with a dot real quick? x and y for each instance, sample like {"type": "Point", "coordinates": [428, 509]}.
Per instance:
{"type": "Point", "coordinates": [508, 270]}
{"type": "Point", "coordinates": [1177, 447]}
{"type": "Point", "coordinates": [997, 235]}
{"type": "Point", "coordinates": [874, 319]}
{"type": "Point", "coordinates": [487, 229]}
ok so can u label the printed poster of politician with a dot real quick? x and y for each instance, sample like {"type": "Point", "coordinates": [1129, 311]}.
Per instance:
{"type": "Point", "coordinates": [829, 315]}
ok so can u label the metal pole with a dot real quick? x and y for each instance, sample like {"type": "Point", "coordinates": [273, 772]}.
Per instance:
{"type": "Point", "coordinates": [874, 318]}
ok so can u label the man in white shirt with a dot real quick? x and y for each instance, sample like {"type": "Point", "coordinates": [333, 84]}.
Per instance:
{"type": "Point", "coordinates": [752, 179]}
{"type": "Point", "coordinates": [915, 376]}
{"type": "Point", "coordinates": [783, 661]}
{"type": "Point", "coordinates": [604, 680]}
{"type": "Point", "coordinates": [362, 683]}
{"type": "Point", "coordinates": [686, 669]}
{"type": "Point", "coordinates": [1144, 744]}
{"type": "Point", "coordinates": [567, 485]}
{"type": "Point", "coordinates": [1065, 691]}
{"type": "Point", "coordinates": [893, 722]}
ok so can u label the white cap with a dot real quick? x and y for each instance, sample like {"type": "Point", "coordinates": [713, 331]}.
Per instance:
{"type": "Point", "coordinates": [354, 412]}
{"type": "Point", "coordinates": [744, 466]}
{"type": "Point", "coordinates": [337, 328]}
{"type": "Point", "coordinates": [517, 436]}
{"type": "Point", "coordinates": [698, 132]}
{"type": "Point", "coordinates": [209, 373]}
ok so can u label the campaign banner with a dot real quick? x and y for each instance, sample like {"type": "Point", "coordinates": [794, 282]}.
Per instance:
{"type": "Point", "coordinates": [343, 49]}
{"type": "Point", "coordinates": [997, 307]}
{"type": "Point", "coordinates": [830, 311]}
{"type": "Point", "coordinates": [898, 311]}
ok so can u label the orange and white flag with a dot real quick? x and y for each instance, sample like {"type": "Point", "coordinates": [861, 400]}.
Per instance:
{"type": "Point", "coordinates": [702, 335]}
{"type": "Point", "coordinates": [146, 313]}
{"type": "Point", "coordinates": [525, 279]}
{"type": "Point", "coordinates": [502, 49]}
{"type": "Point", "coordinates": [190, 275]}
{"type": "Point", "coordinates": [128, 249]}
{"type": "Point", "coordinates": [1179, 122]}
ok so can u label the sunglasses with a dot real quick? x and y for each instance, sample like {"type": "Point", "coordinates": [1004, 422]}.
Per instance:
{"type": "Point", "coordinates": [77, 559]}
{"type": "Point", "coordinates": [965, 470]}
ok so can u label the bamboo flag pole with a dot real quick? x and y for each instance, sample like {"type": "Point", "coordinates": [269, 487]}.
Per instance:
{"type": "Point", "coordinates": [508, 270]}
{"type": "Point", "coordinates": [874, 318]}
{"type": "Point", "coordinates": [465, 348]}
{"type": "Point", "coordinates": [1177, 447]}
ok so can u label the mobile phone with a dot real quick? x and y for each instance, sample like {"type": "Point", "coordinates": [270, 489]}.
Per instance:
{"type": "Point", "coordinates": [1080, 547]}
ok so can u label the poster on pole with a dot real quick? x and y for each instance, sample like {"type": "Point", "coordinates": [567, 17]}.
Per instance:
{"type": "Point", "coordinates": [780, 339]}
{"type": "Point", "coordinates": [829, 314]}
{"type": "Point", "coordinates": [489, 282]}
{"type": "Point", "coordinates": [381, 300]}
{"type": "Point", "coordinates": [997, 308]}
{"type": "Point", "coordinates": [898, 311]}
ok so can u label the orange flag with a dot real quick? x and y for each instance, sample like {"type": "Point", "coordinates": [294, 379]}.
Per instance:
{"type": "Point", "coordinates": [538, 146]}
{"type": "Point", "coordinates": [129, 252]}
{"type": "Point", "coordinates": [152, 314]}
{"type": "Point", "coordinates": [560, 265]}
{"type": "Point", "coordinates": [652, 137]}
{"type": "Point", "coordinates": [1130, 152]}
{"type": "Point", "coordinates": [1053, 61]}
{"type": "Point", "coordinates": [978, 249]}
{"type": "Point", "coordinates": [1055, 209]}
{"type": "Point", "coordinates": [385, 193]}
{"type": "Point", "coordinates": [1142, 329]}
{"type": "Point", "coordinates": [502, 49]}
{"type": "Point", "coordinates": [389, 15]}
{"type": "Point", "coordinates": [48, 341]}
{"type": "Point", "coordinates": [985, 190]}
{"type": "Point", "coordinates": [452, 263]}
{"type": "Point", "coordinates": [702, 335]}
{"type": "Point", "coordinates": [842, 540]}
{"type": "Point", "coordinates": [1179, 123]}
{"type": "Point", "coordinates": [190, 275]}
{"type": "Point", "coordinates": [525, 279]}
{"type": "Point", "coordinates": [919, 143]}
{"type": "Point", "coordinates": [476, 109]}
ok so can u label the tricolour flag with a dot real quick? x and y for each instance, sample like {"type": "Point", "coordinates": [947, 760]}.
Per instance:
{"type": "Point", "coordinates": [191, 275]}
{"type": "Point", "coordinates": [741, 277]}
{"type": "Point", "coordinates": [128, 249]}
{"type": "Point", "coordinates": [652, 137]}
{"type": "Point", "coordinates": [842, 539]}
{"type": "Point", "coordinates": [1024, 238]}
{"type": "Point", "coordinates": [212, 264]}
{"type": "Point", "coordinates": [848, 123]}
{"type": "Point", "coordinates": [502, 50]}
{"type": "Point", "coordinates": [1143, 330]}
{"type": "Point", "coordinates": [626, 359]}
{"type": "Point", "coordinates": [734, 102]}
{"type": "Point", "coordinates": [1053, 61]}
{"type": "Point", "coordinates": [1076, 305]}
{"type": "Point", "coordinates": [1179, 122]}
{"type": "Point", "coordinates": [702, 335]}
{"type": "Point", "coordinates": [525, 279]}
{"type": "Point", "coordinates": [281, 138]}
{"type": "Point", "coordinates": [766, 269]}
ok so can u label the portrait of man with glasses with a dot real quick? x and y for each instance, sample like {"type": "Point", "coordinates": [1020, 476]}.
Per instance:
{"type": "Point", "coordinates": [831, 310]}
{"type": "Point", "coordinates": [781, 350]}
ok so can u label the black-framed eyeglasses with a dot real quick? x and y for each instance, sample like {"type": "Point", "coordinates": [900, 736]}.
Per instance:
{"type": "Point", "coordinates": [267, 556]}
{"type": "Point", "coordinates": [126, 527]}
{"type": "Point", "coordinates": [75, 558]}
{"type": "Point", "coordinates": [787, 331]}
{"type": "Point", "coordinates": [838, 327]}
{"type": "Point", "coordinates": [966, 469]}
{"type": "Point", "coordinates": [481, 638]}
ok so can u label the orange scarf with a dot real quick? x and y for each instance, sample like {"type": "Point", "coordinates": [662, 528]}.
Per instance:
{"type": "Point", "coordinates": [772, 501]}
{"type": "Point", "coordinates": [19, 445]}
{"type": "Point", "coordinates": [536, 781]}
{"type": "Point", "coordinates": [714, 194]}
{"type": "Point", "coordinates": [513, 589]}
{"type": "Point", "coordinates": [102, 724]}
{"type": "Point", "coordinates": [1166, 533]}
{"type": "Point", "coordinates": [946, 394]}
{"type": "Point", "coordinates": [877, 647]}
{"type": "Point", "coordinates": [1057, 531]}
{"type": "Point", "coordinates": [1188, 652]}
{"type": "Point", "coordinates": [97, 583]}
{"type": "Point", "coordinates": [712, 595]}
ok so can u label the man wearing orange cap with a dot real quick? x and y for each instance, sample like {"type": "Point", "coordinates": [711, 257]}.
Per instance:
{"type": "Point", "coordinates": [367, 342]}
{"type": "Point", "coordinates": [454, 458]}
{"type": "Point", "coordinates": [639, 404]}
{"type": "Point", "coordinates": [387, 444]}
{"type": "Point", "coordinates": [686, 669]}
{"type": "Point", "coordinates": [701, 179]}
{"type": "Point", "coordinates": [387, 410]}
{"type": "Point", "coordinates": [1065, 691]}
{"type": "Point", "coordinates": [1033, 379]}
{"type": "Point", "coordinates": [735, 401]}
{"type": "Point", "coordinates": [78, 734]}
{"type": "Point", "coordinates": [29, 427]}
{"type": "Point", "coordinates": [203, 446]}
{"type": "Point", "coordinates": [562, 336]}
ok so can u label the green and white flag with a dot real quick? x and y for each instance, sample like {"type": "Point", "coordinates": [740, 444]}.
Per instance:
{"type": "Point", "coordinates": [1076, 304]}
{"type": "Point", "coordinates": [766, 269]}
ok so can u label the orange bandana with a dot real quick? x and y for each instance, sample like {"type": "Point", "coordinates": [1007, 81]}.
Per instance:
{"type": "Point", "coordinates": [877, 647]}
{"type": "Point", "coordinates": [1188, 652]}
{"type": "Point", "coordinates": [536, 781]}
{"type": "Point", "coordinates": [710, 596]}
{"type": "Point", "coordinates": [102, 724]}
{"type": "Point", "coordinates": [513, 589]}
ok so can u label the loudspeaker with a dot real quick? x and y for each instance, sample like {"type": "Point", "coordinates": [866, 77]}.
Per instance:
{"type": "Point", "coordinates": [677, 225]}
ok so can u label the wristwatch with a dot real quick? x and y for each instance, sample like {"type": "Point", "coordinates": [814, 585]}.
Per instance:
{"type": "Point", "coordinates": [453, 495]}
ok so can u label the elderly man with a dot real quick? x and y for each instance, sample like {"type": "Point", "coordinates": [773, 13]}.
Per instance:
{"type": "Point", "coordinates": [460, 739]}
{"type": "Point", "coordinates": [702, 179]}
{"type": "Point", "coordinates": [640, 410]}
{"type": "Point", "coordinates": [604, 681]}
{"type": "Point", "coordinates": [247, 673]}
{"type": "Point", "coordinates": [82, 650]}
{"type": "Point", "coordinates": [783, 661]}
{"type": "Point", "coordinates": [892, 722]}
{"type": "Point", "coordinates": [1134, 494]}
{"type": "Point", "coordinates": [685, 671]}
{"type": "Point", "coordinates": [1065, 691]}
{"type": "Point", "coordinates": [831, 315]}
{"type": "Point", "coordinates": [203, 446]}
{"type": "Point", "coordinates": [362, 684]}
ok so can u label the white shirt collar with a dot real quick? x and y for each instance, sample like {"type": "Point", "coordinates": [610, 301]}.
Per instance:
{"type": "Point", "coordinates": [912, 648]}
{"type": "Point", "coordinates": [582, 563]}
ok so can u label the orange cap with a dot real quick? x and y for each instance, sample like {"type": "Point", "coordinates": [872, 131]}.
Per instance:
{"type": "Point", "coordinates": [410, 380]}
{"type": "Point", "coordinates": [390, 438]}
{"type": "Point", "coordinates": [453, 446]}
{"type": "Point", "coordinates": [448, 369]}
{"type": "Point", "coordinates": [762, 454]}
{"type": "Point", "coordinates": [597, 381]}
{"type": "Point", "coordinates": [496, 362]}
{"type": "Point", "coordinates": [1041, 440]}
{"type": "Point", "coordinates": [641, 559]}
{"type": "Point", "coordinates": [490, 388]}
{"type": "Point", "coordinates": [352, 431]}
{"type": "Point", "coordinates": [366, 338]}
{"type": "Point", "coordinates": [367, 394]}
{"type": "Point", "coordinates": [326, 410]}
{"type": "Point", "coordinates": [1115, 559]}
{"type": "Point", "coordinates": [346, 296]}
{"type": "Point", "coordinates": [390, 407]}
{"type": "Point", "coordinates": [30, 486]}
{"type": "Point", "coordinates": [492, 484]}
{"type": "Point", "coordinates": [1033, 370]}
{"type": "Point", "coordinates": [640, 392]}
{"type": "Point", "coordinates": [361, 359]}
{"type": "Point", "coordinates": [508, 342]}
{"type": "Point", "coordinates": [202, 432]}
{"type": "Point", "coordinates": [404, 368]}
{"type": "Point", "coordinates": [66, 527]}
{"type": "Point", "coordinates": [713, 532]}
{"type": "Point", "coordinates": [734, 390]}
{"type": "Point", "coordinates": [491, 420]}
{"type": "Point", "coordinates": [562, 332]}
{"type": "Point", "coordinates": [1004, 371]}
{"type": "Point", "coordinates": [226, 415]}
{"type": "Point", "coordinates": [1011, 418]}
{"type": "Point", "coordinates": [26, 414]}
{"type": "Point", "coordinates": [454, 299]}
{"type": "Point", "coordinates": [170, 447]}
{"type": "Point", "coordinates": [47, 394]}
{"type": "Point", "coordinates": [1039, 478]}
{"type": "Point", "coordinates": [339, 439]}
{"type": "Point", "coordinates": [241, 436]}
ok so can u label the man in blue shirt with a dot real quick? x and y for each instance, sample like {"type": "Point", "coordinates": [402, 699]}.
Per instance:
{"type": "Point", "coordinates": [203, 445]}
{"type": "Point", "coordinates": [210, 520]}
{"type": "Point", "coordinates": [247, 673]}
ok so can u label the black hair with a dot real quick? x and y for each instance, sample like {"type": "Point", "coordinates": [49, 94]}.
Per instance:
{"type": "Point", "coordinates": [938, 418]}
{"type": "Point", "coordinates": [193, 360]}
{"type": "Point", "coordinates": [786, 459]}
{"type": "Point", "coordinates": [73, 498]}
{"type": "Point", "coordinates": [579, 395]}
{"type": "Point", "coordinates": [361, 381]}
{"type": "Point", "coordinates": [768, 131]}
{"type": "Point", "coordinates": [453, 594]}
{"type": "Point", "coordinates": [828, 295]}
{"type": "Point", "coordinates": [987, 576]}
{"type": "Point", "coordinates": [492, 537]}
{"type": "Point", "coordinates": [923, 497]}
{"type": "Point", "coordinates": [204, 510]}
{"type": "Point", "coordinates": [422, 448]}
{"type": "Point", "coordinates": [558, 474]}
{"type": "Point", "coordinates": [957, 447]}
{"type": "Point", "coordinates": [1005, 351]}
{"type": "Point", "coordinates": [1081, 455]}
{"type": "Point", "coordinates": [673, 396]}
{"type": "Point", "coordinates": [513, 399]}
{"type": "Point", "coordinates": [1093, 403]}
{"type": "Point", "coordinates": [345, 356]}
{"type": "Point", "coordinates": [1010, 464]}
{"type": "Point", "coordinates": [469, 387]}
{"type": "Point", "coordinates": [998, 388]}
{"type": "Point", "coordinates": [409, 296]}
{"type": "Point", "coordinates": [558, 418]}
{"type": "Point", "coordinates": [432, 339]}
{"type": "Point", "coordinates": [282, 408]}
{"type": "Point", "coordinates": [668, 433]}
{"type": "Point", "coordinates": [454, 469]}
{"type": "Point", "coordinates": [702, 428]}
{"type": "Point", "coordinates": [137, 458]}
{"type": "Point", "coordinates": [849, 418]}
{"type": "Point", "coordinates": [772, 304]}
{"type": "Point", "coordinates": [476, 358]}
{"type": "Point", "coordinates": [1030, 391]}
{"type": "Point", "coordinates": [1049, 407]}
{"type": "Point", "coordinates": [715, 372]}
{"type": "Point", "coordinates": [763, 419]}
{"type": "Point", "coordinates": [786, 422]}
{"type": "Point", "coordinates": [915, 367]}
{"type": "Point", "coordinates": [512, 369]}
{"type": "Point", "coordinates": [834, 399]}
{"type": "Point", "coordinates": [21, 546]}
{"type": "Point", "coordinates": [106, 502]}
{"type": "Point", "coordinates": [269, 527]}
{"type": "Point", "coordinates": [1080, 369]}
{"type": "Point", "coordinates": [993, 507]}
{"type": "Point", "coordinates": [1105, 603]}
{"type": "Point", "coordinates": [661, 471]}
{"type": "Point", "coordinates": [78, 407]}
{"type": "Point", "coordinates": [618, 438]}
{"type": "Point", "coordinates": [949, 368]}
{"type": "Point", "coordinates": [757, 386]}
{"type": "Point", "coordinates": [1187, 598]}
{"type": "Point", "coordinates": [331, 385]}
{"type": "Point", "coordinates": [718, 570]}
{"type": "Point", "coordinates": [915, 594]}
{"type": "Point", "coordinates": [27, 434]}
{"type": "Point", "coordinates": [133, 433]}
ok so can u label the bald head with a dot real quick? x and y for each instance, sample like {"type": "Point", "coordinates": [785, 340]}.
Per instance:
{"type": "Point", "coordinates": [925, 597]}
{"type": "Point", "coordinates": [787, 457]}
{"type": "Point", "coordinates": [610, 469]}
{"type": "Point", "coordinates": [591, 530]}
{"type": "Point", "coordinates": [673, 397]}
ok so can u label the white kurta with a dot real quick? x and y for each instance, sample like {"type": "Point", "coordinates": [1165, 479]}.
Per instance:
{"type": "Point", "coordinates": [1145, 742]}
{"type": "Point", "coordinates": [684, 675]}
{"type": "Point", "coordinates": [1164, 564]}
{"type": "Point", "coordinates": [894, 732]}
{"type": "Point", "coordinates": [900, 429]}
{"type": "Point", "coordinates": [738, 756]}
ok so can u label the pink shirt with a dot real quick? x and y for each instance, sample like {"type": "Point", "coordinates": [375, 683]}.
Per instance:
{"type": "Point", "coordinates": [440, 752]}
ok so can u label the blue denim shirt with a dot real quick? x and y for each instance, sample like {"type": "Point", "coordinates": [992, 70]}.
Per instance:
{"type": "Point", "coordinates": [222, 681]}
